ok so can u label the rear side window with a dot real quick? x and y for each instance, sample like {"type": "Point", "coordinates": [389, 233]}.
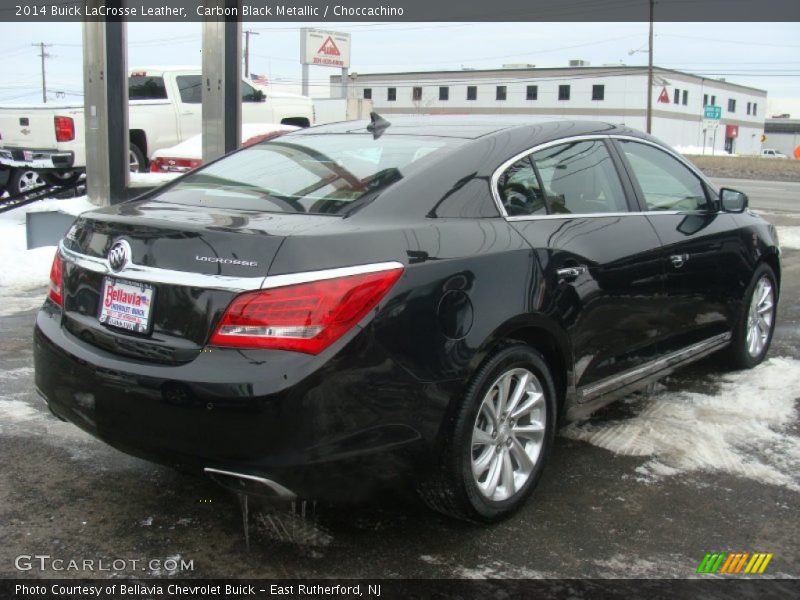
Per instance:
{"type": "Point", "coordinates": [314, 174]}
{"type": "Point", "coordinates": [190, 88]}
{"type": "Point", "coordinates": [580, 178]}
{"type": "Point", "coordinates": [143, 87]}
{"type": "Point", "coordinates": [666, 183]}
{"type": "Point", "coordinates": [519, 190]}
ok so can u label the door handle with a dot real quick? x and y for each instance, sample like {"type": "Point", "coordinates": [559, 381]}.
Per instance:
{"type": "Point", "coordinates": [570, 273]}
{"type": "Point", "coordinates": [678, 260]}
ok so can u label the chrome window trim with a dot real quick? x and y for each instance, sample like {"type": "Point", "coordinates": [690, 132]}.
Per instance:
{"type": "Point", "coordinates": [228, 283]}
{"type": "Point", "coordinates": [584, 138]}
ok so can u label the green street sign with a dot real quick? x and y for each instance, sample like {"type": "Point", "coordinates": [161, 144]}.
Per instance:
{"type": "Point", "coordinates": [712, 112]}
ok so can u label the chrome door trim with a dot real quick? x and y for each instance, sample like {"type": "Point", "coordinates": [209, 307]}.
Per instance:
{"type": "Point", "coordinates": [632, 375]}
{"type": "Point", "coordinates": [582, 138]}
{"type": "Point", "coordinates": [228, 283]}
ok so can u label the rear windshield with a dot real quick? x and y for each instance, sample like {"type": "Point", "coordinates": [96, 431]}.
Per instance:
{"type": "Point", "coordinates": [315, 174]}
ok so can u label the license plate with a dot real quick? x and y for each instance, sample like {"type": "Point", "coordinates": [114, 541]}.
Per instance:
{"type": "Point", "coordinates": [126, 304]}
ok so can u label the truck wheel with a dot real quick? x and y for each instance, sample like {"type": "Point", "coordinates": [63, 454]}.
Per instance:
{"type": "Point", "coordinates": [24, 180]}
{"type": "Point", "coordinates": [61, 178]}
{"type": "Point", "coordinates": [137, 161]}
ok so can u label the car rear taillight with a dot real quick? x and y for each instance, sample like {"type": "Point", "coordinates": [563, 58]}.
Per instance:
{"type": "Point", "coordinates": [65, 129]}
{"type": "Point", "coordinates": [307, 317]}
{"type": "Point", "coordinates": [56, 285]}
{"type": "Point", "coordinates": [174, 165]}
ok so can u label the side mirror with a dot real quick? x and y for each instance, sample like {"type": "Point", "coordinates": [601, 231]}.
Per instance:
{"type": "Point", "coordinates": [732, 201]}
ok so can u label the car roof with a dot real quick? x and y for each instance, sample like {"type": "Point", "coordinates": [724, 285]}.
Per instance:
{"type": "Point", "coordinates": [473, 127]}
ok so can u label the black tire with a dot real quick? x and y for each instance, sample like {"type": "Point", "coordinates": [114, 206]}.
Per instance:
{"type": "Point", "coordinates": [61, 178]}
{"type": "Point", "coordinates": [738, 353]}
{"type": "Point", "coordinates": [24, 180]}
{"type": "Point", "coordinates": [450, 486]}
{"type": "Point", "coordinates": [138, 156]}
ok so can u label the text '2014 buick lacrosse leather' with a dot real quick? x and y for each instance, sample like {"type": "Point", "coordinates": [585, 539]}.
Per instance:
{"type": "Point", "coordinates": [421, 301]}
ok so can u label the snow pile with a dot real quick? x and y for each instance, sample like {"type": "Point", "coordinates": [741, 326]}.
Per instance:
{"type": "Point", "coordinates": [742, 429]}
{"type": "Point", "coordinates": [789, 237]}
{"type": "Point", "coordinates": [24, 271]}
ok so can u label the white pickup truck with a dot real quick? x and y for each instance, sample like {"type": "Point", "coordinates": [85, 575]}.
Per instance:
{"type": "Point", "coordinates": [47, 141]}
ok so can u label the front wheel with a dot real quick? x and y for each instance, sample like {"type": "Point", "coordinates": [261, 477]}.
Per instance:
{"type": "Point", "coordinates": [752, 335]}
{"type": "Point", "coordinates": [496, 445]}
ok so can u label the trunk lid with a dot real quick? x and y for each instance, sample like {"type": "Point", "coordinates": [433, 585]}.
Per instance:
{"type": "Point", "coordinates": [197, 259]}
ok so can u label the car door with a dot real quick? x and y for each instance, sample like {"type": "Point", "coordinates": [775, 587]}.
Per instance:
{"type": "Point", "coordinates": [597, 263]}
{"type": "Point", "coordinates": [189, 105]}
{"type": "Point", "coordinates": [701, 245]}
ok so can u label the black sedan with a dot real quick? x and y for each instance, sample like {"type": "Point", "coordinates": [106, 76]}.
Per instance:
{"type": "Point", "coordinates": [423, 301]}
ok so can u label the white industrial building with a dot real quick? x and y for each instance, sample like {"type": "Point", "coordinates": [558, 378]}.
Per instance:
{"type": "Point", "coordinates": [617, 94]}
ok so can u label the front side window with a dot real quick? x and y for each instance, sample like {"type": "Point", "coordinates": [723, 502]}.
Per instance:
{"type": "Point", "coordinates": [314, 174]}
{"type": "Point", "coordinates": [666, 183]}
{"type": "Point", "coordinates": [519, 190]}
{"type": "Point", "coordinates": [580, 178]}
{"type": "Point", "coordinates": [249, 93]}
{"type": "Point", "coordinates": [143, 87]}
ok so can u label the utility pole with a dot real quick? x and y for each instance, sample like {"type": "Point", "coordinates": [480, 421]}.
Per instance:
{"type": "Point", "coordinates": [650, 73]}
{"type": "Point", "coordinates": [247, 34]}
{"type": "Point", "coordinates": [43, 55]}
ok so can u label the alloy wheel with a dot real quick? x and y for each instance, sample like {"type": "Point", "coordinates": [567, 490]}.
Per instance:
{"type": "Point", "coordinates": [508, 434]}
{"type": "Point", "coordinates": [760, 316]}
{"type": "Point", "coordinates": [28, 181]}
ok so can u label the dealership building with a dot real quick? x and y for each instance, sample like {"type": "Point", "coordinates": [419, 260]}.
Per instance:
{"type": "Point", "coordinates": [616, 94]}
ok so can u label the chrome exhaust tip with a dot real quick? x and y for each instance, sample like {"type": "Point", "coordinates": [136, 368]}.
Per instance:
{"type": "Point", "coordinates": [242, 483]}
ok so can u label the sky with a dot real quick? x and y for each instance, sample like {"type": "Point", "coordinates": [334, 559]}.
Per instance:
{"type": "Point", "coordinates": [761, 55]}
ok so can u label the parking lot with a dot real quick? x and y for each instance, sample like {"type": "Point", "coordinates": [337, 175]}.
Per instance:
{"type": "Point", "coordinates": [710, 461]}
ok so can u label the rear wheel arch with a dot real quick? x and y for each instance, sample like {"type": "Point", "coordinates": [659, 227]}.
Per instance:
{"type": "Point", "coordinates": [296, 121]}
{"type": "Point", "coordinates": [139, 138]}
{"type": "Point", "coordinates": [551, 343]}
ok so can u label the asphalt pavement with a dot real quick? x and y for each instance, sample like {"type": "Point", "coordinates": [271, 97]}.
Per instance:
{"type": "Point", "coordinates": [69, 496]}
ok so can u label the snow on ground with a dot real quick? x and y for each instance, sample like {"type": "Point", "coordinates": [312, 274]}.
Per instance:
{"type": "Point", "coordinates": [23, 272]}
{"type": "Point", "coordinates": [789, 237]}
{"type": "Point", "coordinates": [741, 429]}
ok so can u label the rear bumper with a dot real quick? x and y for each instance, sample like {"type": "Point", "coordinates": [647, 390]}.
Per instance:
{"type": "Point", "coordinates": [31, 158]}
{"type": "Point", "coordinates": [332, 429]}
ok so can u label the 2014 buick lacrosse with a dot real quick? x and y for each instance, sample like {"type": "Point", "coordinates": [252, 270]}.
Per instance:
{"type": "Point", "coordinates": [419, 301]}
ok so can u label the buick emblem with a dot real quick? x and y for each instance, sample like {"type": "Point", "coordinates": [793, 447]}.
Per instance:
{"type": "Point", "coordinates": [119, 255]}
